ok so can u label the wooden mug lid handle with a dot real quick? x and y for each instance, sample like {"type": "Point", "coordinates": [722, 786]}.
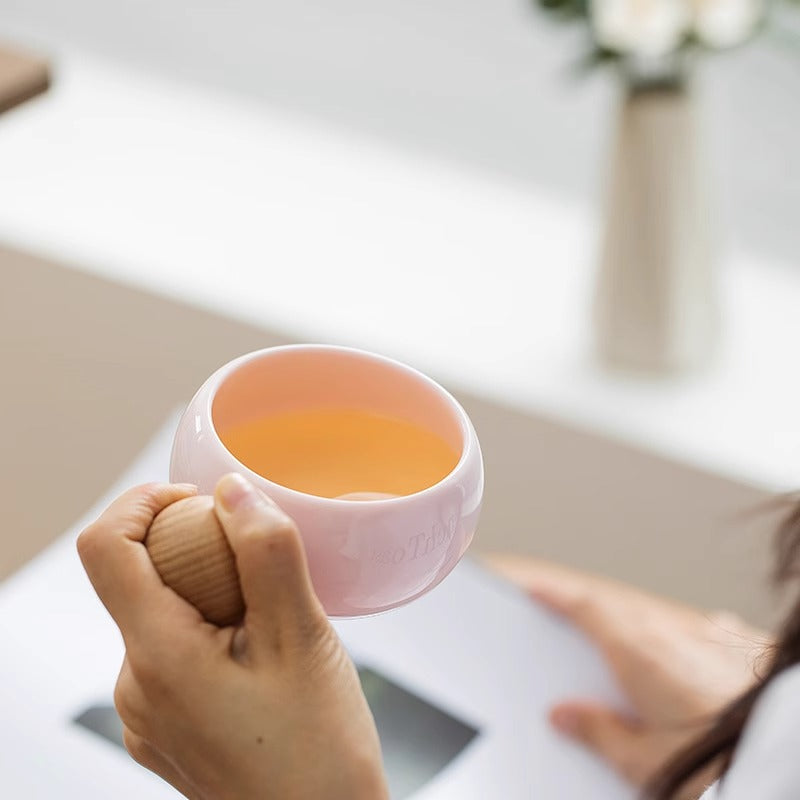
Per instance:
{"type": "Point", "coordinates": [191, 554]}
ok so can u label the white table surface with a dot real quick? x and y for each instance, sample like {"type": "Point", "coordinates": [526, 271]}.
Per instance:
{"type": "Point", "coordinates": [237, 207]}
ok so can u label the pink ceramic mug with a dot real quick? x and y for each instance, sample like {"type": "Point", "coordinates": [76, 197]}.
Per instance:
{"type": "Point", "coordinates": [365, 556]}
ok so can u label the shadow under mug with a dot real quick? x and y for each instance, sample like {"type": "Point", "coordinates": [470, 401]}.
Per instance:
{"type": "Point", "coordinates": [365, 556]}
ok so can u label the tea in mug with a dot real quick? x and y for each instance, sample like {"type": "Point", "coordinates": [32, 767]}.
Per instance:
{"type": "Point", "coordinates": [342, 453]}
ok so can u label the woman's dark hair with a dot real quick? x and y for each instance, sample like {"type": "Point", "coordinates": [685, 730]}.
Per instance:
{"type": "Point", "coordinates": [719, 743]}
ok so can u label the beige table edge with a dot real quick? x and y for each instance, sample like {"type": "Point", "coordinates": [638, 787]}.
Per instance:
{"type": "Point", "coordinates": [92, 369]}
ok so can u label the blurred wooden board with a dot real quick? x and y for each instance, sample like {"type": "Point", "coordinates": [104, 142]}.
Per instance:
{"type": "Point", "coordinates": [22, 76]}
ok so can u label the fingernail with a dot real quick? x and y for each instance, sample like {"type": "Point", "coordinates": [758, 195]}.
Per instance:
{"type": "Point", "coordinates": [565, 720]}
{"type": "Point", "coordinates": [236, 493]}
{"type": "Point", "coordinates": [187, 487]}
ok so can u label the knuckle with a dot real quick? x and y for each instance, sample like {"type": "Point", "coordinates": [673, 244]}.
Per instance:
{"type": "Point", "coordinates": [283, 534]}
{"type": "Point", "coordinates": [276, 532]}
{"type": "Point", "coordinates": [145, 500]}
{"type": "Point", "coordinates": [148, 672]}
{"type": "Point", "coordinates": [148, 491]}
{"type": "Point", "coordinates": [88, 540]}
{"type": "Point", "coordinates": [581, 605]}
{"type": "Point", "coordinates": [128, 705]}
{"type": "Point", "coordinates": [588, 730]}
{"type": "Point", "coordinates": [158, 669]}
{"type": "Point", "coordinates": [136, 747]}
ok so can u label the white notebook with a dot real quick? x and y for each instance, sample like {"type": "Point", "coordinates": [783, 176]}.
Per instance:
{"type": "Point", "coordinates": [459, 682]}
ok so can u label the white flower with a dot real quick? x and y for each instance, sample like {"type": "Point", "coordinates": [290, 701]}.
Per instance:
{"type": "Point", "coordinates": [647, 28]}
{"type": "Point", "coordinates": [653, 28]}
{"type": "Point", "coordinates": [724, 23]}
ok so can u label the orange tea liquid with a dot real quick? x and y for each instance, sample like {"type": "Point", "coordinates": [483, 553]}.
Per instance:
{"type": "Point", "coordinates": [335, 453]}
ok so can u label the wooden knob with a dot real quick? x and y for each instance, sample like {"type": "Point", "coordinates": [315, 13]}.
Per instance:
{"type": "Point", "coordinates": [191, 553]}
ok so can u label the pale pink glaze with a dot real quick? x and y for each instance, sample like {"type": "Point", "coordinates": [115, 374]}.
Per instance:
{"type": "Point", "coordinates": [364, 556]}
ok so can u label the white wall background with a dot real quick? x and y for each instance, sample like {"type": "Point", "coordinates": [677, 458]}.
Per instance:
{"type": "Point", "coordinates": [486, 83]}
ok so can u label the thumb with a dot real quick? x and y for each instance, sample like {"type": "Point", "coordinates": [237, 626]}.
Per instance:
{"type": "Point", "coordinates": [279, 599]}
{"type": "Point", "coordinates": [617, 739]}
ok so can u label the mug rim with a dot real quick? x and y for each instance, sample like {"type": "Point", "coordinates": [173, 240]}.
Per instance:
{"type": "Point", "coordinates": [465, 426]}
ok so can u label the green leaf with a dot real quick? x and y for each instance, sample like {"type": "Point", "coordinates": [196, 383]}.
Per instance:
{"type": "Point", "coordinates": [565, 9]}
{"type": "Point", "coordinates": [596, 57]}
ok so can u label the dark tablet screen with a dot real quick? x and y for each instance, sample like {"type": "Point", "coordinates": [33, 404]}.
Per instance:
{"type": "Point", "coordinates": [418, 739]}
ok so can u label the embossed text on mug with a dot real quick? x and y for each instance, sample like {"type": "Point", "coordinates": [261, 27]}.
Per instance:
{"type": "Point", "coordinates": [420, 544]}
